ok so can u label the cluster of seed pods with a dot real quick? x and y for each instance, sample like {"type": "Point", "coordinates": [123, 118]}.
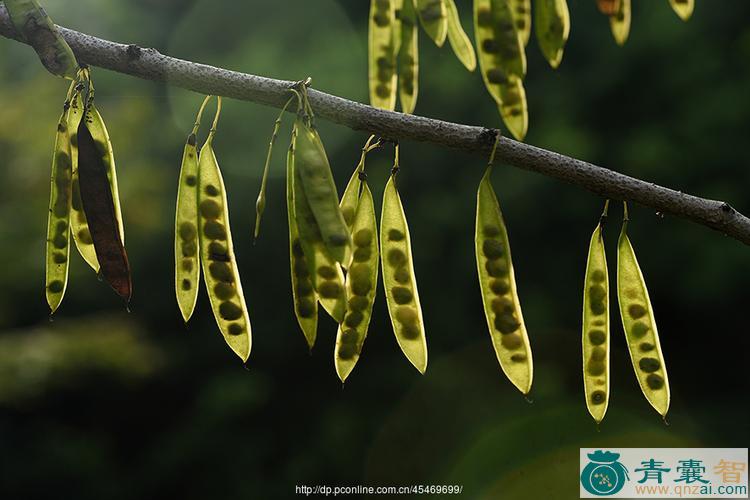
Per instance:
{"type": "Point", "coordinates": [498, 286]}
{"type": "Point", "coordinates": [382, 52]}
{"type": "Point", "coordinates": [502, 61]}
{"type": "Point", "coordinates": [640, 327]}
{"type": "Point", "coordinates": [595, 337]}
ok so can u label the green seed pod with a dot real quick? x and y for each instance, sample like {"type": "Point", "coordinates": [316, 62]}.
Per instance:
{"type": "Point", "coordinates": [522, 18]}
{"type": "Point", "coordinates": [502, 61]}
{"type": "Point", "coordinates": [503, 311]}
{"type": "Point", "coordinates": [552, 21]}
{"type": "Point", "coordinates": [187, 267]}
{"type": "Point", "coordinates": [619, 23]}
{"type": "Point", "coordinates": [395, 245]}
{"type": "Point", "coordinates": [36, 28]}
{"type": "Point", "coordinates": [595, 337]}
{"type": "Point", "coordinates": [459, 40]}
{"type": "Point", "coordinates": [231, 315]}
{"type": "Point", "coordinates": [58, 219]}
{"type": "Point", "coordinates": [381, 54]}
{"type": "Point", "coordinates": [632, 291]}
{"type": "Point", "coordinates": [303, 224]}
{"type": "Point", "coordinates": [360, 300]}
{"type": "Point", "coordinates": [312, 168]}
{"type": "Point", "coordinates": [408, 58]}
{"type": "Point", "coordinates": [434, 19]}
{"type": "Point", "coordinates": [683, 8]}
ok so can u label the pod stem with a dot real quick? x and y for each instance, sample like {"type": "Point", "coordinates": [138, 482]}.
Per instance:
{"type": "Point", "coordinates": [396, 165]}
{"type": "Point", "coordinates": [199, 116]}
{"type": "Point", "coordinates": [216, 117]}
{"type": "Point", "coordinates": [369, 146]}
{"type": "Point", "coordinates": [604, 215]}
{"type": "Point", "coordinates": [491, 159]}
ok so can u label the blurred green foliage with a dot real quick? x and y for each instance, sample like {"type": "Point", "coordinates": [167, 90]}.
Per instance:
{"type": "Point", "coordinates": [101, 404]}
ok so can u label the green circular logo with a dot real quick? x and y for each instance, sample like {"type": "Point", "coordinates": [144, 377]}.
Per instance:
{"type": "Point", "coordinates": [604, 475]}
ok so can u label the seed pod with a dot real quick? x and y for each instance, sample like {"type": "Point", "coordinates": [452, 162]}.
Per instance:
{"type": "Point", "coordinates": [434, 19]}
{"type": "Point", "coordinates": [36, 28]}
{"type": "Point", "coordinates": [361, 283]}
{"type": "Point", "coordinates": [619, 23]}
{"type": "Point", "coordinates": [552, 21]}
{"type": "Point", "coordinates": [595, 338]}
{"type": "Point", "coordinates": [324, 272]}
{"type": "Point", "coordinates": [608, 7]}
{"type": "Point", "coordinates": [408, 58]}
{"type": "Point", "coordinates": [399, 279]}
{"type": "Point", "coordinates": [683, 8]}
{"type": "Point", "coordinates": [58, 219]}
{"type": "Point", "coordinates": [459, 40]}
{"type": "Point", "coordinates": [303, 291]}
{"type": "Point", "coordinates": [217, 252]}
{"type": "Point", "coordinates": [187, 264]}
{"type": "Point", "coordinates": [498, 285]}
{"type": "Point", "coordinates": [522, 15]}
{"type": "Point", "coordinates": [99, 208]}
{"type": "Point", "coordinates": [502, 61]}
{"type": "Point", "coordinates": [382, 54]}
{"type": "Point", "coordinates": [640, 327]}
{"type": "Point", "coordinates": [312, 168]}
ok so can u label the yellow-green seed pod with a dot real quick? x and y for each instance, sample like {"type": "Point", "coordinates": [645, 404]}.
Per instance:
{"type": "Point", "coordinates": [522, 14]}
{"type": "Point", "coordinates": [640, 327]}
{"type": "Point", "coordinates": [217, 253]}
{"type": "Point", "coordinates": [433, 18]}
{"type": "Point", "coordinates": [58, 219]}
{"type": "Point", "coordinates": [361, 284]}
{"type": "Point", "coordinates": [619, 23]}
{"type": "Point", "coordinates": [459, 40]}
{"type": "Point", "coordinates": [502, 62]}
{"type": "Point", "coordinates": [303, 291]}
{"type": "Point", "coordinates": [408, 58]}
{"type": "Point", "coordinates": [36, 27]}
{"type": "Point", "coordinates": [382, 54]}
{"type": "Point", "coordinates": [683, 8]}
{"type": "Point", "coordinates": [187, 262]}
{"type": "Point", "coordinates": [311, 165]}
{"type": "Point", "coordinates": [498, 285]}
{"type": "Point", "coordinates": [595, 337]}
{"type": "Point", "coordinates": [324, 272]}
{"type": "Point", "coordinates": [552, 26]}
{"type": "Point", "coordinates": [399, 280]}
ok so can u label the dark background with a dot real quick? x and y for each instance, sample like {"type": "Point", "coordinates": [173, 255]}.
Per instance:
{"type": "Point", "coordinates": [100, 403]}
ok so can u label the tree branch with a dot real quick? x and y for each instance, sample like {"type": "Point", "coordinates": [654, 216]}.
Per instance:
{"type": "Point", "coordinates": [149, 64]}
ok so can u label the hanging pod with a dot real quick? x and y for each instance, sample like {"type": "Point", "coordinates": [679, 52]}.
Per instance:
{"type": "Point", "coordinates": [323, 271]}
{"type": "Point", "coordinates": [398, 276]}
{"type": "Point", "coordinates": [502, 61]}
{"type": "Point", "coordinates": [619, 22]}
{"type": "Point", "coordinates": [683, 8]}
{"type": "Point", "coordinates": [595, 337]}
{"type": "Point", "coordinates": [98, 200]}
{"type": "Point", "coordinates": [498, 286]}
{"type": "Point", "coordinates": [459, 40]}
{"type": "Point", "coordinates": [552, 21]}
{"type": "Point", "coordinates": [217, 257]}
{"type": "Point", "coordinates": [350, 198]}
{"type": "Point", "coordinates": [640, 327]}
{"type": "Point", "coordinates": [381, 54]}
{"type": "Point", "coordinates": [408, 57]}
{"type": "Point", "coordinates": [433, 18]}
{"type": "Point", "coordinates": [36, 28]}
{"type": "Point", "coordinates": [522, 14]}
{"type": "Point", "coordinates": [58, 220]}
{"type": "Point", "coordinates": [361, 284]}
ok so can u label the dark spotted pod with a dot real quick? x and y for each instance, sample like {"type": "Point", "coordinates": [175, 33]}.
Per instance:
{"type": "Point", "coordinates": [58, 220]}
{"type": "Point", "coordinates": [219, 265]}
{"type": "Point", "coordinates": [552, 21]}
{"type": "Point", "coordinates": [381, 54]}
{"type": "Point", "coordinates": [398, 273]}
{"type": "Point", "coordinates": [498, 286]}
{"type": "Point", "coordinates": [619, 22]}
{"type": "Point", "coordinates": [522, 17]}
{"type": "Point", "coordinates": [99, 207]}
{"type": "Point", "coordinates": [595, 335]}
{"type": "Point", "coordinates": [433, 16]}
{"type": "Point", "coordinates": [187, 261]}
{"type": "Point", "coordinates": [459, 40]}
{"type": "Point", "coordinates": [360, 287]}
{"type": "Point", "coordinates": [408, 58]}
{"type": "Point", "coordinates": [640, 327]}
